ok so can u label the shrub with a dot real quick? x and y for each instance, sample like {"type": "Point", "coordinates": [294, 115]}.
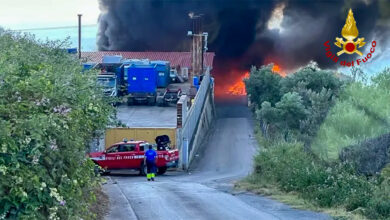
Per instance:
{"type": "Point", "coordinates": [341, 187]}
{"type": "Point", "coordinates": [369, 157]}
{"type": "Point", "coordinates": [302, 112]}
{"type": "Point", "coordinates": [302, 103]}
{"type": "Point", "coordinates": [286, 114]}
{"type": "Point", "coordinates": [382, 79]}
{"type": "Point", "coordinates": [361, 113]}
{"type": "Point", "coordinates": [311, 78]}
{"type": "Point", "coordinates": [263, 85]}
{"type": "Point", "coordinates": [49, 112]}
{"type": "Point", "coordinates": [317, 110]}
{"type": "Point", "coordinates": [292, 169]}
{"type": "Point", "coordinates": [289, 166]}
{"type": "Point", "coordinates": [379, 205]}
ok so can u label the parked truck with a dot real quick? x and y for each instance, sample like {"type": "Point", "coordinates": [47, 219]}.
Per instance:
{"type": "Point", "coordinates": [163, 70]}
{"type": "Point", "coordinates": [141, 83]}
{"type": "Point", "coordinates": [109, 83]}
{"type": "Point", "coordinates": [130, 155]}
{"type": "Point", "coordinates": [137, 80]}
{"type": "Point", "coordinates": [111, 74]}
{"type": "Point", "coordinates": [147, 82]}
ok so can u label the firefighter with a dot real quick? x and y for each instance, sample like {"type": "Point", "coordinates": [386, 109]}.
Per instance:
{"type": "Point", "coordinates": [150, 161]}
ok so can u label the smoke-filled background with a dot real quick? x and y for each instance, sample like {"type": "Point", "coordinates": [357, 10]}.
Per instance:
{"type": "Point", "coordinates": [243, 33]}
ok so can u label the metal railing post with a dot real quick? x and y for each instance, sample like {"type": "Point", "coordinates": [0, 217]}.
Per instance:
{"type": "Point", "coordinates": [184, 155]}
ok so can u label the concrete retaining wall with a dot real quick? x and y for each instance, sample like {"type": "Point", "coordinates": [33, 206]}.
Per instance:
{"type": "Point", "coordinates": [205, 123]}
{"type": "Point", "coordinates": [196, 121]}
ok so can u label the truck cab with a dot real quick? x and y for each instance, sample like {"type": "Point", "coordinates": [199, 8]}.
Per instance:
{"type": "Point", "coordinates": [111, 74]}
{"type": "Point", "coordinates": [109, 83]}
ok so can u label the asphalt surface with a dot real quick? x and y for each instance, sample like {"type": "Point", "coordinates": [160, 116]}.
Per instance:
{"type": "Point", "coordinates": [139, 116]}
{"type": "Point", "coordinates": [206, 191]}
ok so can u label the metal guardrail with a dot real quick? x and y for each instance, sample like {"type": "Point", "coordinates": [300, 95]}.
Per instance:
{"type": "Point", "coordinates": [192, 119]}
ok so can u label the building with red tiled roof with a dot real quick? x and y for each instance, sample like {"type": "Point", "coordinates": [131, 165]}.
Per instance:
{"type": "Point", "coordinates": [182, 59]}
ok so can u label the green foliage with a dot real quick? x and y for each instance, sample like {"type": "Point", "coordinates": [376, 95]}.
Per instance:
{"type": "Point", "coordinates": [379, 205]}
{"type": "Point", "coordinates": [288, 166]}
{"type": "Point", "coordinates": [277, 165]}
{"type": "Point", "coordinates": [263, 85]}
{"type": "Point", "coordinates": [358, 74]}
{"type": "Point", "coordinates": [361, 113]}
{"type": "Point", "coordinates": [324, 117]}
{"type": "Point", "coordinates": [286, 114]}
{"type": "Point", "coordinates": [318, 107]}
{"type": "Point", "coordinates": [370, 156]}
{"type": "Point", "coordinates": [302, 105]}
{"type": "Point", "coordinates": [291, 109]}
{"type": "Point", "coordinates": [311, 78]}
{"type": "Point", "coordinates": [49, 112]}
{"type": "Point", "coordinates": [383, 79]}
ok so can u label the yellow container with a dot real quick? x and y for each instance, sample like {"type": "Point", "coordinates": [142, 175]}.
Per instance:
{"type": "Point", "coordinates": [115, 135]}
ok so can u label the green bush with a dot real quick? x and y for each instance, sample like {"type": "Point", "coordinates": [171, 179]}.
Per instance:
{"type": "Point", "coordinates": [302, 103]}
{"type": "Point", "coordinates": [369, 157]}
{"type": "Point", "coordinates": [379, 205]}
{"type": "Point", "coordinates": [49, 112]}
{"type": "Point", "coordinates": [312, 120]}
{"type": "Point", "coordinates": [311, 78]}
{"type": "Point", "coordinates": [382, 80]}
{"type": "Point", "coordinates": [285, 116]}
{"type": "Point", "coordinates": [341, 187]}
{"type": "Point", "coordinates": [263, 85]}
{"type": "Point", "coordinates": [361, 113]}
{"type": "Point", "coordinates": [329, 185]}
{"type": "Point", "coordinates": [288, 165]}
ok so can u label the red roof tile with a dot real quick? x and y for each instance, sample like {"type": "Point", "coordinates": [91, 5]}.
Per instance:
{"type": "Point", "coordinates": [175, 58]}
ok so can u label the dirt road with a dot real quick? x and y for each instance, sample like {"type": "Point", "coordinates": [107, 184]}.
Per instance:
{"type": "Point", "coordinates": [206, 191]}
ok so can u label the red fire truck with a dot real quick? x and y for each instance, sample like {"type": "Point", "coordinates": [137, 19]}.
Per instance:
{"type": "Point", "coordinates": [130, 155]}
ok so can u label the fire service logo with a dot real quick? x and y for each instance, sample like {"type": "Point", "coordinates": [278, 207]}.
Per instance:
{"type": "Point", "coordinates": [349, 32]}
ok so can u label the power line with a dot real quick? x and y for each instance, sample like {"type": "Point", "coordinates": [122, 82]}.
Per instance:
{"type": "Point", "coordinates": [54, 28]}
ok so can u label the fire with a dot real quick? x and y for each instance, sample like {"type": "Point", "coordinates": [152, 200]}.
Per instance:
{"type": "Point", "coordinates": [276, 69]}
{"type": "Point", "coordinates": [238, 88]}
{"type": "Point", "coordinates": [230, 84]}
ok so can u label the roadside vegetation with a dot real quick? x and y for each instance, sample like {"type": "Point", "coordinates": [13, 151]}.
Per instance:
{"type": "Point", "coordinates": [323, 139]}
{"type": "Point", "coordinates": [49, 112]}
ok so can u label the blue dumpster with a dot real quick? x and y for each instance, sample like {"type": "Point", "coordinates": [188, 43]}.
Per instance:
{"type": "Point", "coordinates": [163, 68]}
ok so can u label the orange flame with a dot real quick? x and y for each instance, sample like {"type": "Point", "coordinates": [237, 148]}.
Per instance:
{"type": "Point", "coordinates": [276, 69]}
{"type": "Point", "coordinates": [238, 88]}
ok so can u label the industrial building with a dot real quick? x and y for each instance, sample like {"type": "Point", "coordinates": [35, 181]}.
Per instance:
{"type": "Point", "coordinates": [178, 60]}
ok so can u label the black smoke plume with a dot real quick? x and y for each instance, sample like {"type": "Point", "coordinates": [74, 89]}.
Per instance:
{"type": "Point", "coordinates": [238, 29]}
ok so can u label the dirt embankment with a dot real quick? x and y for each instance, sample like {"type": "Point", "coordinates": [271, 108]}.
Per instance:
{"type": "Point", "coordinates": [101, 206]}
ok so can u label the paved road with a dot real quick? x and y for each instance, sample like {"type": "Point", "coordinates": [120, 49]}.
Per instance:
{"type": "Point", "coordinates": [206, 191]}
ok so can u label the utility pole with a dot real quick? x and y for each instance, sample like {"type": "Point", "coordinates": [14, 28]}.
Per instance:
{"type": "Point", "coordinates": [198, 48]}
{"type": "Point", "coordinates": [79, 15]}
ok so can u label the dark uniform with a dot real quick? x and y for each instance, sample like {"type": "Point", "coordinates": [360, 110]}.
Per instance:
{"type": "Point", "coordinates": [150, 160]}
